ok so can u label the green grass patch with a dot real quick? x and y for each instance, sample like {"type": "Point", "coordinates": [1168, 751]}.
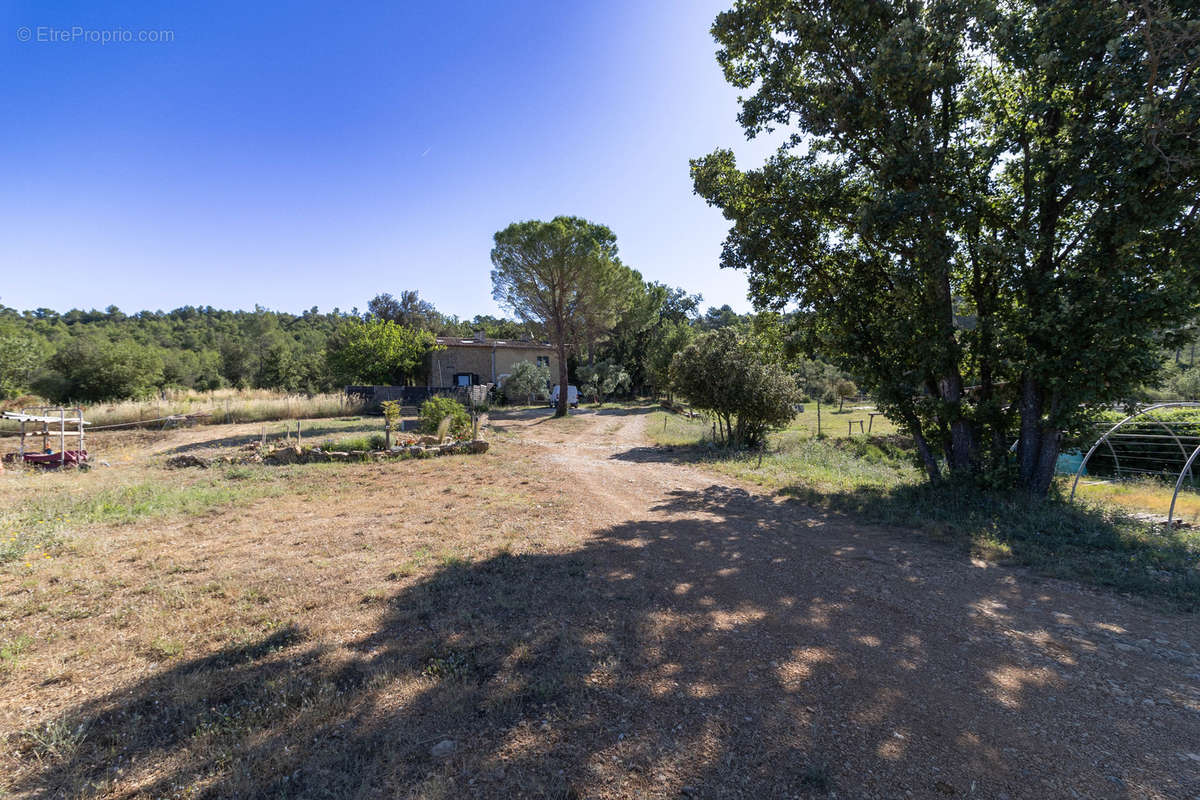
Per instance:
{"type": "Point", "coordinates": [40, 522]}
{"type": "Point", "coordinates": [792, 456]}
{"type": "Point", "coordinates": [12, 650]}
{"type": "Point", "coordinates": [355, 443]}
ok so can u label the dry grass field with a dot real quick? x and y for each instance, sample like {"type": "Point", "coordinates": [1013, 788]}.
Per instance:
{"type": "Point", "coordinates": [572, 614]}
{"type": "Point", "coordinates": [219, 407]}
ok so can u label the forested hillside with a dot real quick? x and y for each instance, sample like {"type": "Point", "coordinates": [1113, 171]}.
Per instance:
{"type": "Point", "coordinates": [96, 355]}
{"type": "Point", "coordinates": [105, 355]}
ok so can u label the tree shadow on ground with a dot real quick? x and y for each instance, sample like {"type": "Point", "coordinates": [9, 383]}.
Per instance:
{"type": "Point", "coordinates": [727, 647]}
{"type": "Point", "coordinates": [1103, 547]}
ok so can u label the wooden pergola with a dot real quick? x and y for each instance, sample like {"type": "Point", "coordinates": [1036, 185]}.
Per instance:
{"type": "Point", "coordinates": [46, 417]}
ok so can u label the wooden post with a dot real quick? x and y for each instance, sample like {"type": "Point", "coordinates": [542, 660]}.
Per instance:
{"type": "Point", "coordinates": [264, 435]}
{"type": "Point", "coordinates": [79, 414]}
{"type": "Point", "coordinates": [62, 437]}
{"type": "Point", "coordinates": [21, 449]}
{"type": "Point", "coordinates": [297, 433]}
{"type": "Point", "coordinates": [818, 419]}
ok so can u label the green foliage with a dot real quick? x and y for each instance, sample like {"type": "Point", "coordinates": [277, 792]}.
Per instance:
{"type": "Point", "coordinates": [200, 348]}
{"type": "Point", "coordinates": [391, 411]}
{"type": "Point", "coordinates": [19, 357]}
{"type": "Point", "coordinates": [1186, 384]}
{"type": "Point", "coordinates": [653, 313]}
{"type": "Point", "coordinates": [817, 380]}
{"type": "Point", "coordinates": [93, 367]}
{"type": "Point", "coordinates": [375, 441]}
{"type": "Point", "coordinates": [409, 311]}
{"type": "Point", "coordinates": [377, 352]}
{"type": "Point", "coordinates": [973, 190]}
{"type": "Point", "coordinates": [661, 350]}
{"type": "Point", "coordinates": [436, 409]}
{"type": "Point", "coordinates": [721, 374]}
{"type": "Point", "coordinates": [602, 380]}
{"type": "Point", "coordinates": [872, 478]}
{"type": "Point", "coordinates": [525, 381]}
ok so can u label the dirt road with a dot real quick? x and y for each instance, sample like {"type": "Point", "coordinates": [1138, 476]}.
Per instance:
{"type": "Point", "coordinates": [784, 652]}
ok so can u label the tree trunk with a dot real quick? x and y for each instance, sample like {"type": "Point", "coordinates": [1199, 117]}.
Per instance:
{"type": "Point", "coordinates": [1038, 444]}
{"type": "Point", "coordinates": [927, 458]}
{"type": "Point", "coordinates": [561, 410]}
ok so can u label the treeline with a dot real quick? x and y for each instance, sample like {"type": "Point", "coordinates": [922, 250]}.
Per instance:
{"type": "Point", "coordinates": [89, 356]}
{"type": "Point", "coordinates": [104, 355]}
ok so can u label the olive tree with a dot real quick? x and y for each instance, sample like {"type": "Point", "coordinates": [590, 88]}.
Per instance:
{"type": "Point", "coordinates": [603, 379]}
{"type": "Point", "coordinates": [526, 379]}
{"type": "Point", "coordinates": [724, 376]}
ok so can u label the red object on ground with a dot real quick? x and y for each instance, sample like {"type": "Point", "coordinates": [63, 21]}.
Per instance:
{"type": "Point", "coordinates": [55, 459]}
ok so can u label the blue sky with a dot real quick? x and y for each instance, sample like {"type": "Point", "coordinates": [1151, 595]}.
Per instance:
{"type": "Point", "coordinates": [319, 154]}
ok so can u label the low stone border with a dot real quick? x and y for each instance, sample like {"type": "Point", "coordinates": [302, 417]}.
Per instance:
{"type": "Point", "coordinates": [298, 455]}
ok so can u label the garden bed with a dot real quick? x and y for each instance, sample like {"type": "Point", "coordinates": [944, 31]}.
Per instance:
{"type": "Point", "coordinates": [317, 455]}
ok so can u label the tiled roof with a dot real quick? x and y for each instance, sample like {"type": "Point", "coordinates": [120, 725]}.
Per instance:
{"type": "Point", "coordinates": [455, 341]}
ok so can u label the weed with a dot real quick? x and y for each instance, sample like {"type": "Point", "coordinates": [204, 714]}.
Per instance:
{"type": "Point", "coordinates": [373, 596]}
{"type": "Point", "coordinates": [451, 666]}
{"type": "Point", "coordinates": [240, 473]}
{"type": "Point", "coordinates": [57, 739]}
{"type": "Point", "coordinates": [164, 649]}
{"type": "Point", "coordinates": [817, 776]}
{"type": "Point", "coordinates": [11, 651]}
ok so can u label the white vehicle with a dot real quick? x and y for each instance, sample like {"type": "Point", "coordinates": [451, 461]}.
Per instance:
{"type": "Point", "coordinates": [572, 396]}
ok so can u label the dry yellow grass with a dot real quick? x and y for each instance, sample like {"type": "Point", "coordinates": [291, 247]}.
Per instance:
{"type": "Point", "coordinates": [221, 407]}
{"type": "Point", "coordinates": [1143, 496]}
{"type": "Point", "coordinates": [157, 577]}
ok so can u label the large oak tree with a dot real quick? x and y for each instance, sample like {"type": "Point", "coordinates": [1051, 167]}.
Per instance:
{"type": "Point", "coordinates": [988, 209]}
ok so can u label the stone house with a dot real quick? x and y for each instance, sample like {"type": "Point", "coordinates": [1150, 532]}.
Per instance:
{"type": "Point", "coordinates": [479, 360]}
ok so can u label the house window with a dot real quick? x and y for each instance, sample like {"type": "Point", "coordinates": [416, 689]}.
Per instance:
{"type": "Point", "coordinates": [543, 361]}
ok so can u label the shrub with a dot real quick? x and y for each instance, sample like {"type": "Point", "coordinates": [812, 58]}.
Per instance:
{"type": "Point", "coordinates": [724, 376]}
{"type": "Point", "coordinates": [92, 367]}
{"type": "Point", "coordinates": [435, 409]}
{"type": "Point", "coordinates": [1187, 384]}
{"type": "Point", "coordinates": [602, 380]}
{"type": "Point", "coordinates": [377, 351]}
{"type": "Point", "coordinates": [525, 381]}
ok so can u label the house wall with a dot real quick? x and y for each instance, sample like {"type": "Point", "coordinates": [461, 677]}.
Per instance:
{"type": "Point", "coordinates": [506, 358]}
{"type": "Point", "coordinates": [445, 364]}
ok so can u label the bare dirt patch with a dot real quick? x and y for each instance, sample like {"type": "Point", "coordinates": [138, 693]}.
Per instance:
{"type": "Point", "coordinates": [566, 616]}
